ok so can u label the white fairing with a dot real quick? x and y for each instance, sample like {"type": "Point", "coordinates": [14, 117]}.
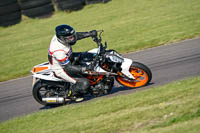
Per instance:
{"type": "Point", "coordinates": [50, 77]}
{"type": "Point", "coordinates": [125, 68]}
{"type": "Point", "coordinates": [48, 74]}
{"type": "Point", "coordinates": [97, 69]}
{"type": "Point", "coordinates": [125, 65]}
{"type": "Point", "coordinates": [95, 50]}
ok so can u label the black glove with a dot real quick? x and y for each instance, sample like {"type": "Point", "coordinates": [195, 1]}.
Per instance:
{"type": "Point", "coordinates": [93, 33]}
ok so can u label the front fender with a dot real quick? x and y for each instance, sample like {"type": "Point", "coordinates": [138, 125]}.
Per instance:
{"type": "Point", "coordinates": [126, 66]}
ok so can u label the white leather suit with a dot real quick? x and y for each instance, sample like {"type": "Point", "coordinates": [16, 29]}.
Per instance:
{"type": "Point", "coordinates": [60, 54]}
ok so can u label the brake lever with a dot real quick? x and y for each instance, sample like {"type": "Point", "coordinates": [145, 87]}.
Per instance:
{"type": "Point", "coordinates": [101, 31]}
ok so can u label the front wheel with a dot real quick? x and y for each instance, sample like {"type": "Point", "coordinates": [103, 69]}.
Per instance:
{"type": "Point", "coordinates": [141, 73]}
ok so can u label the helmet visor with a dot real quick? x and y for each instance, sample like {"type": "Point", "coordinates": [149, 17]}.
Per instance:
{"type": "Point", "coordinates": [70, 39]}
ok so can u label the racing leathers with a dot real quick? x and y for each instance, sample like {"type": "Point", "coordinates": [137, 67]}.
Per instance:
{"type": "Point", "coordinates": [59, 56]}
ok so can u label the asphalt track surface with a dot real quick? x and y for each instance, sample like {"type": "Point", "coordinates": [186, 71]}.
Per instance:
{"type": "Point", "coordinates": [168, 63]}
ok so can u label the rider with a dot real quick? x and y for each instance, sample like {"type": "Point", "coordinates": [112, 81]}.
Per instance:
{"type": "Point", "coordinates": [60, 56]}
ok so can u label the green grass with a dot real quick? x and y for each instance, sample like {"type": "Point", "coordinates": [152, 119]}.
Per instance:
{"type": "Point", "coordinates": [171, 108]}
{"type": "Point", "coordinates": [129, 25]}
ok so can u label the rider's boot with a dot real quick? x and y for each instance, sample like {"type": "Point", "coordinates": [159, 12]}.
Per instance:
{"type": "Point", "coordinates": [76, 96]}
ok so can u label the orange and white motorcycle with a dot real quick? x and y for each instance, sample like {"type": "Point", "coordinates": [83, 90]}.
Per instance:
{"type": "Point", "coordinates": [108, 66]}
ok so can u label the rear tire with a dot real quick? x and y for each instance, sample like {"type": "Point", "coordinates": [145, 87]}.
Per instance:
{"type": "Point", "coordinates": [28, 4]}
{"type": "Point", "coordinates": [96, 1]}
{"type": "Point", "coordinates": [7, 2]}
{"type": "Point", "coordinates": [69, 5]}
{"type": "Point", "coordinates": [8, 9]}
{"type": "Point", "coordinates": [36, 92]}
{"type": "Point", "coordinates": [39, 12]}
{"type": "Point", "coordinates": [142, 74]}
{"type": "Point", "coordinates": [93, 1]}
{"type": "Point", "coordinates": [10, 19]}
{"type": "Point", "coordinates": [10, 13]}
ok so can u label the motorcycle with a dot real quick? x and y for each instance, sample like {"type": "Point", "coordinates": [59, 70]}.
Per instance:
{"type": "Point", "coordinates": [108, 65]}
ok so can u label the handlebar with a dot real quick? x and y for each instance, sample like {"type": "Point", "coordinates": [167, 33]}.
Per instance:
{"type": "Point", "coordinates": [98, 40]}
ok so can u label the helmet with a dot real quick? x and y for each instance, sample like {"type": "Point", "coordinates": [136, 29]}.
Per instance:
{"type": "Point", "coordinates": [66, 34]}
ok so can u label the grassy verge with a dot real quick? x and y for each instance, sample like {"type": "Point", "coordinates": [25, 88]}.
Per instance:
{"type": "Point", "coordinates": [129, 25]}
{"type": "Point", "coordinates": [171, 108]}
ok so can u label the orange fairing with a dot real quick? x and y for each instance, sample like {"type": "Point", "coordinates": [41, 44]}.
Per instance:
{"type": "Point", "coordinates": [141, 78]}
{"type": "Point", "coordinates": [38, 69]}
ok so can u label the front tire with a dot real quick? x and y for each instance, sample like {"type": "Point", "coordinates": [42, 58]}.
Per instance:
{"type": "Point", "coordinates": [141, 73]}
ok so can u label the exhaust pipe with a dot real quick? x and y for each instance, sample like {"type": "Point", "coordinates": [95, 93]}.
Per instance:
{"type": "Point", "coordinates": [54, 100]}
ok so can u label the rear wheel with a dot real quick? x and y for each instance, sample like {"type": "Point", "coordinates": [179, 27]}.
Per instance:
{"type": "Point", "coordinates": [69, 5]}
{"type": "Point", "coordinates": [39, 91]}
{"type": "Point", "coordinates": [40, 11]}
{"type": "Point", "coordinates": [141, 73]}
{"type": "Point", "coordinates": [50, 89]}
{"type": "Point", "coordinates": [10, 12]}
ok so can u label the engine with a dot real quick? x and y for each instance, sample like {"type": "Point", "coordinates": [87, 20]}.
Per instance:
{"type": "Point", "coordinates": [103, 87]}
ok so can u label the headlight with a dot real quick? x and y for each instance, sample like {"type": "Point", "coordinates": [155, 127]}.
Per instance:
{"type": "Point", "coordinates": [115, 58]}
